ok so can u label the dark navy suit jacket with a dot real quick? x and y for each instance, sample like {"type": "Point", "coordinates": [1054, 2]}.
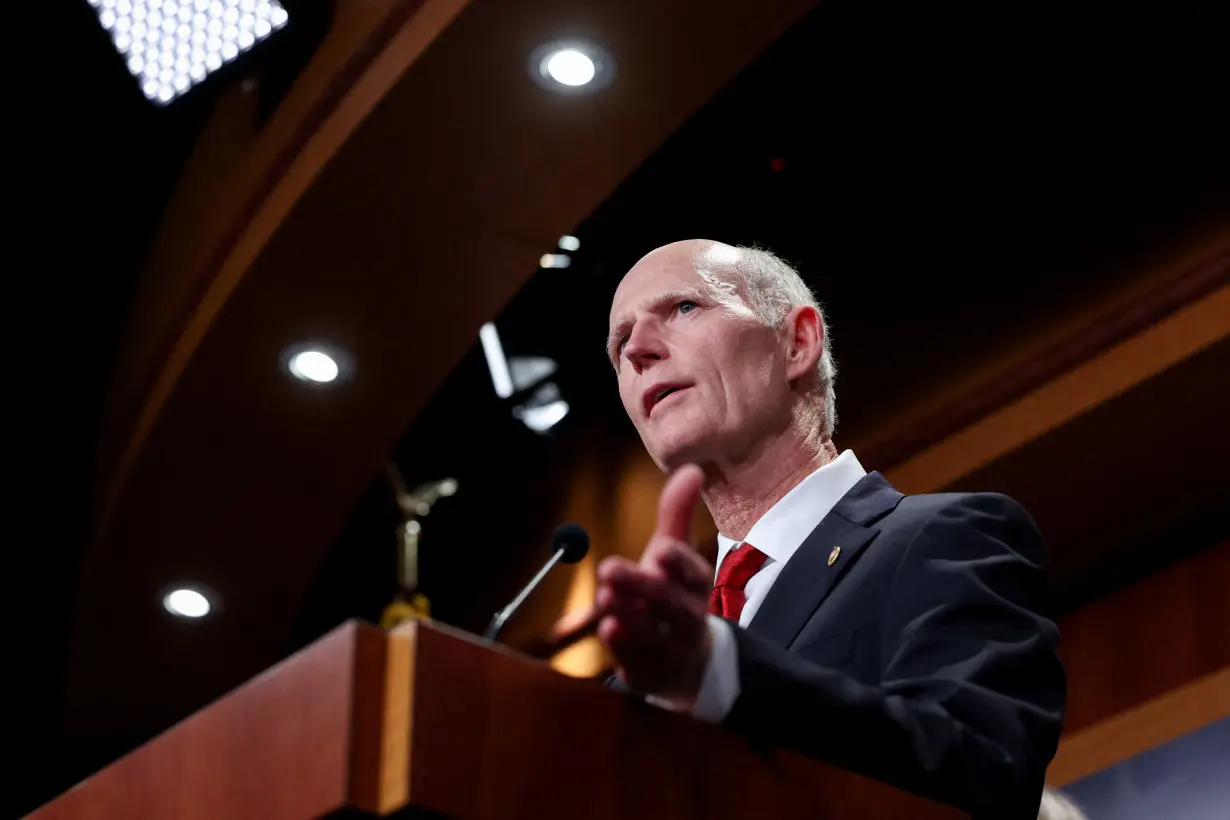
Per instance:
{"type": "Point", "coordinates": [920, 657]}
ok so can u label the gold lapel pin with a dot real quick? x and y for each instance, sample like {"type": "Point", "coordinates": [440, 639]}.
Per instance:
{"type": "Point", "coordinates": [833, 555]}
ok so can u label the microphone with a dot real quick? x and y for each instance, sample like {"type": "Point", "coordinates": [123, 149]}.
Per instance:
{"type": "Point", "coordinates": [569, 545]}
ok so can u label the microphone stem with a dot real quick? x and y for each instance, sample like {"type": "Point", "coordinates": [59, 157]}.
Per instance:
{"type": "Point", "coordinates": [497, 623]}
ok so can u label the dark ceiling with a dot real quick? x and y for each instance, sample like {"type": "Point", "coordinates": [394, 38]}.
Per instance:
{"type": "Point", "coordinates": [945, 174]}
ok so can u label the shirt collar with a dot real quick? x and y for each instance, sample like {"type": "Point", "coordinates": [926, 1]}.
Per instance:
{"type": "Point", "coordinates": [785, 526]}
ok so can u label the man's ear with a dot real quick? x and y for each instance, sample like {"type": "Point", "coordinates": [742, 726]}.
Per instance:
{"type": "Point", "coordinates": [803, 330]}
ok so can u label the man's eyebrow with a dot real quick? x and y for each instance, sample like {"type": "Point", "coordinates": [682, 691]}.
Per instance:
{"type": "Point", "coordinates": [611, 337]}
{"type": "Point", "coordinates": [656, 304]}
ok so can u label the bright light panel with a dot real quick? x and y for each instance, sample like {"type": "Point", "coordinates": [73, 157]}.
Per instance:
{"type": "Point", "coordinates": [171, 45]}
{"type": "Point", "coordinates": [569, 243]}
{"type": "Point", "coordinates": [570, 66]}
{"type": "Point", "coordinates": [187, 603]}
{"type": "Point", "coordinates": [313, 366]}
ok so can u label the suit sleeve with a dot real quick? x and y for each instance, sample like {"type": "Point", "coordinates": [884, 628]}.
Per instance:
{"type": "Point", "coordinates": [970, 702]}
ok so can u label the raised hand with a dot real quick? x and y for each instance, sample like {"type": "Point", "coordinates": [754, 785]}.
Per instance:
{"type": "Point", "coordinates": [653, 611]}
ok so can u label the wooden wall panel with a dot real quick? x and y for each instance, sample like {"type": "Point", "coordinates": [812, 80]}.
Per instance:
{"type": "Point", "coordinates": [1155, 723]}
{"type": "Point", "coordinates": [1148, 639]}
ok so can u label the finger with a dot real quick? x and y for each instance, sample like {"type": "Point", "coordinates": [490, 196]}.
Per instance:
{"type": "Point", "coordinates": [665, 602]}
{"type": "Point", "coordinates": [609, 629]}
{"type": "Point", "coordinates": [657, 662]}
{"type": "Point", "coordinates": [634, 649]}
{"type": "Point", "coordinates": [626, 642]}
{"type": "Point", "coordinates": [634, 617]}
{"type": "Point", "coordinates": [677, 502]}
{"type": "Point", "coordinates": [685, 566]}
{"type": "Point", "coordinates": [681, 605]}
{"type": "Point", "coordinates": [679, 562]}
{"type": "Point", "coordinates": [613, 636]}
{"type": "Point", "coordinates": [633, 663]}
{"type": "Point", "coordinates": [615, 570]}
{"type": "Point", "coordinates": [623, 596]}
{"type": "Point", "coordinates": [614, 564]}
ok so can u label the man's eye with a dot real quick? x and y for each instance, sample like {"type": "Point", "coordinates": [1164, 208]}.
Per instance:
{"type": "Point", "coordinates": [686, 306]}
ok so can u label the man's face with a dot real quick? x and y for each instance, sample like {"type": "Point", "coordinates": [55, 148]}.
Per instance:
{"type": "Point", "coordinates": [701, 378]}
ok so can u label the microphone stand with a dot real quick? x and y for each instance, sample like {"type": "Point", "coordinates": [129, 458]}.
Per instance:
{"type": "Point", "coordinates": [569, 544]}
{"type": "Point", "coordinates": [497, 620]}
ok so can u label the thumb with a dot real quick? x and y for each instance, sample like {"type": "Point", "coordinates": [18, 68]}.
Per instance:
{"type": "Point", "coordinates": [677, 503]}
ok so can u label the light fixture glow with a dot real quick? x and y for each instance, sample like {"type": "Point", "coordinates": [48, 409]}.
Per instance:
{"type": "Point", "coordinates": [496, 363]}
{"type": "Point", "coordinates": [313, 366]}
{"type": "Point", "coordinates": [187, 603]}
{"type": "Point", "coordinates": [528, 371]}
{"type": "Point", "coordinates": [555, 260]}
{"type": "Point", "coordinates": [542, 419]}
{"type": "Point", "coordinates": [543, 410]}
{"type": "Point", "coordinates": [171, 46]}
{"type": "Point", "coordinates": [569, 243]}
{"type": "Point", "coordinates": [570, 67]}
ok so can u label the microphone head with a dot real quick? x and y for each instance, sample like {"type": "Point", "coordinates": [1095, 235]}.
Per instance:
{"type": "Point", "coordinates": [572, 540]}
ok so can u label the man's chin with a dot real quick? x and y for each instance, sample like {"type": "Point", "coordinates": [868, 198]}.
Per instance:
{"type": "Point", "coordinates": [673, 454]}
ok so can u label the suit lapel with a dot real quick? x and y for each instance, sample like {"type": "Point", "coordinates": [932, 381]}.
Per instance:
{"type": "Point", "coordinates": [809, 576]}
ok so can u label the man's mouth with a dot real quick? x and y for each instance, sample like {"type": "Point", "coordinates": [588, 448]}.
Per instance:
{"type": "Point", "coordinates": [658, 393]}
{"type": "Point", "coordinates": [667, 392]}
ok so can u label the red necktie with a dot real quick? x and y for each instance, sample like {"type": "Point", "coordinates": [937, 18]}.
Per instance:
{"type": "Point", "coordinates": [738, 567]}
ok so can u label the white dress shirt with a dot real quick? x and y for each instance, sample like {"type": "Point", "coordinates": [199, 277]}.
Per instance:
{"type": "Point", "coordinates": [777, 534]}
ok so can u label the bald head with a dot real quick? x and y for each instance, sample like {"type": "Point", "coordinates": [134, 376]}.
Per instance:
{"type": "Point", "coordinates": [705, 306]}
{"type": "Point", "coordinates": [704, 254]}
{"type": "Point", "coordinates": [683, 260]}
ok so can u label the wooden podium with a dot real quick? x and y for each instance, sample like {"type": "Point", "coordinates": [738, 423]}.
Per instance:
{"type": "Point", "coordinates": [426, 721]}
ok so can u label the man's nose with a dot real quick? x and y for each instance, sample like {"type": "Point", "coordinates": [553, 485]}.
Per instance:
{"type": "Point", "coordinates": [645, 346]}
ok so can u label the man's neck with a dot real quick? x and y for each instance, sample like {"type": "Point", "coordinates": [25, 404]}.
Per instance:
{"type": "Point", "coordinates": [737, 498]}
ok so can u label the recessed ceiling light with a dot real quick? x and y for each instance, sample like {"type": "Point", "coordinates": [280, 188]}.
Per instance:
{"type": "Point", "coordinates": [186, 603]}
{"type": "Point", "coordinates": [313, 366]}
{"type": "Point", "coordinates": [318, 364]}
{"type": "Point", "coordinates": [569, 243]}
{"type": "Point", "coordinates": [571, 67]}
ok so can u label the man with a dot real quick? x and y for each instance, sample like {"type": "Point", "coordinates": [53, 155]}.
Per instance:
{"type": "Point", "coordinates": [898, 636]}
